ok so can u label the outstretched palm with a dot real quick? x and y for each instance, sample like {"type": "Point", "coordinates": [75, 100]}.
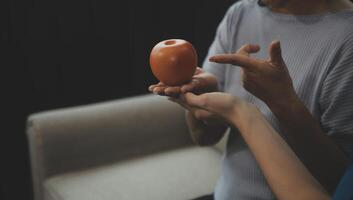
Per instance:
{"type": "Point", "coordinates": [201, 82]}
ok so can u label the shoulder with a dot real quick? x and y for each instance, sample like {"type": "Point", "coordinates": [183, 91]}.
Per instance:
{"type": "Point", "coordinates": [339, 31]}
{"type": "Point", "coordinates": [236, 12]}
{"type": "Point", "coordinates": [347, 38]}
{"type": "Point", "coordinates": [348, 34]}
{"type": "Point", "coordinates": [344, 22]}
{"type": "Point", "coordinates": [240, 7]}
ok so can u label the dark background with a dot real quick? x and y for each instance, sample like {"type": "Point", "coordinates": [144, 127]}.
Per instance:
{"type": "Point", "coordinates": [60, 53]}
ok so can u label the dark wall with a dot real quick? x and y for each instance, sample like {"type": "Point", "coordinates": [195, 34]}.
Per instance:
{"type": "Point", "coordinates": [61, 53]}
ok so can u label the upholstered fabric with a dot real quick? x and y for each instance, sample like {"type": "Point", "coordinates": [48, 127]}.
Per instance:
{"type": "Point", "coordinates": [103, 138]}
{"type": "Point", "coordinates": [174, 175]}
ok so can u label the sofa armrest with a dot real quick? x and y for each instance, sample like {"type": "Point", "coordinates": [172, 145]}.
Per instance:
{"type": "Point", "coordinates": [84, 136]}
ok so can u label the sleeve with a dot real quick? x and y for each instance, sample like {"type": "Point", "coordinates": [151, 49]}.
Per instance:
{"type": "Point", "coordinates": [336, 99]}
{"type": "Point", "coordinates": [220, 45]}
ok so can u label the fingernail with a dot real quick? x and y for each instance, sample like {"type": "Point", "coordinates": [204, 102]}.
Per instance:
{"type": "Point", "coordinates": [255, 46]}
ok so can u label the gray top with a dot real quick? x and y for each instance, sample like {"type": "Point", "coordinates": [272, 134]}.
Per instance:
{"type": "Point", "coordinates": [318, 50]}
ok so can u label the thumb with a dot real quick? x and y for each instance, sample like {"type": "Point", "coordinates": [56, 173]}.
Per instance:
{"type": "Point", "coordinates": [276, 52]}
{"type": "Point", "coordinates": [248, 49]}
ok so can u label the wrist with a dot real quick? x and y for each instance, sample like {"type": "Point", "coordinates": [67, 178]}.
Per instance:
{"type": "Point", "coordinates": [286, 104]}
{"type": "Point", "coordinates": [242, 114]}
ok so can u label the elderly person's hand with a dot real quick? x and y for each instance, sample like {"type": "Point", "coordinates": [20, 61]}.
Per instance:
{"type": "Point", "coordinates": [201, 82]}
{"type": "Point", "coordinates": [269, 80]}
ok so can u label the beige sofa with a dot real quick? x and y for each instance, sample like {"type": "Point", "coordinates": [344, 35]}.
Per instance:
{"type": "Point", "coordinates": [130, 149]}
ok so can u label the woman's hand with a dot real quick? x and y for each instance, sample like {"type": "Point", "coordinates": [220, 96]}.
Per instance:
{"type": "Point", "coordinates": [201, 82]}
{"type": "Point", "coordinates": [268, 80]}
{"type": "Point", "coordinates": [224, 105]}
{"type": "Point", "coordinates": [205, 116]}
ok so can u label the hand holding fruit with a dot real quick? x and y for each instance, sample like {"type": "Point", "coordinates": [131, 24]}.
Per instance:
{"type": "Point", "coordinates": [201, 82]}
{"type": "Point", "coordinates": [174, 63]}
{"type": "Point", "coordinates": [179, 77]}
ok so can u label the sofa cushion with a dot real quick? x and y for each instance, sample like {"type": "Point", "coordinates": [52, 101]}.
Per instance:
{"type": "Point", "coordinates": [174, 175]}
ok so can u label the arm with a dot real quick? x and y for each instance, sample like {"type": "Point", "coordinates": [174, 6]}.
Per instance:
{"type": "Point", "coordinates": [284, 172]}
{"type": "Point", "coordinates": [314, 139]}
{"type": "Point", "coordinates": [317, 151]}
{"type": "Point", "coordinates": [269, 80]}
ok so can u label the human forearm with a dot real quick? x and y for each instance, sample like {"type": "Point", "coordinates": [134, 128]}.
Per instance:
{"type": "Point", "coordinates": [283, 170]}
{"type": "Point", "coordinates": [203, 134]}
{"type": "Point", "coordinates": [318, 152]}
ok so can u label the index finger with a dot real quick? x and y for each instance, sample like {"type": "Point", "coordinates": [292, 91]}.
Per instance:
{"type": "Point", "coordinates": [237, 59]}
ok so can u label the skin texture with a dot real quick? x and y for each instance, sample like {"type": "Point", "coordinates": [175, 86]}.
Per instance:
{"type": "Point", "coordinates": [284, 172]}
{"type": "Point", "coordinates": [269, 81]}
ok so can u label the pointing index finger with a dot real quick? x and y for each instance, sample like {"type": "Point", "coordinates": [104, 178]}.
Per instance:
{"type": "Point", "coordinates": [237, 59]}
